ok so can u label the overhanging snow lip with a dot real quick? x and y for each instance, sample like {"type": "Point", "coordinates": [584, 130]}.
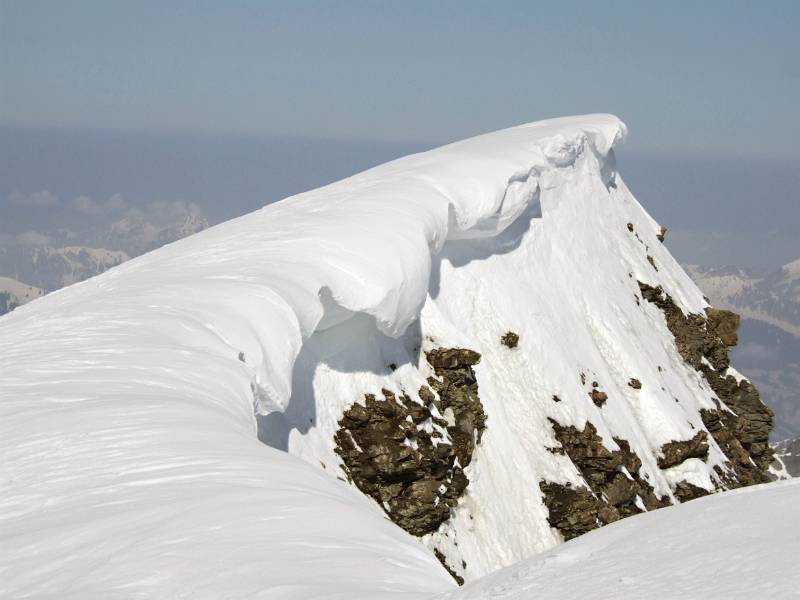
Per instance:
{"type": "Point", "coordinates": [370, 239]}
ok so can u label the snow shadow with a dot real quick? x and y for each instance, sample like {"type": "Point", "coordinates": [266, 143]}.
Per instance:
{"type": "Point", "coordinates": [461, 252]}
{"type": "Point", "coordinates": [354, 346]}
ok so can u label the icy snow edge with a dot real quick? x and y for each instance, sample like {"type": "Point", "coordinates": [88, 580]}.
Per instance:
{"type": "Point", "coordinates": [376, 232]}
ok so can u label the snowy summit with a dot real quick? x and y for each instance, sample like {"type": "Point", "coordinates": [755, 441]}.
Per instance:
{"type": "Point", "coordinates": [419, 375]}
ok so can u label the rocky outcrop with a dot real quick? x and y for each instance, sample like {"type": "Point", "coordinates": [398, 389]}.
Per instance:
{"type": "Point", "coordinates": [599, 398]}
{"type": "Point", "coordinates": [741, 427]}
{"type": "Point", "coordinates": [573, 511]}
{"type": "Point", "coordinates": [457, 387]}
{"type": "Point", "coordinates": [686, 491]}
{"type": "Point", "coordinates": [674, 453]}
{"type": "Point", "coordinates": [409, 455]}
{"type": "Point", "coordinates": [510, 339]}
{"type": "Point", "coordinates": [615, 487]}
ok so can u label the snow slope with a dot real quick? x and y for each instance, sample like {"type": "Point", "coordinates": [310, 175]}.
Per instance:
{"type": "Point", "coordinates": [131, 404]}
{"type": "Point", "coordinates": [740, 544]}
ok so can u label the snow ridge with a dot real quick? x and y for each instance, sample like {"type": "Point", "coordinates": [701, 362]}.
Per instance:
{"type": "Point", "coordinates": [127, 402]}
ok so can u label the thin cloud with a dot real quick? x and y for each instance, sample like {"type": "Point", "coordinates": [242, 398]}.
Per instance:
{"type": "Point", "coordinates": [115, 205]}
{"type": "Point", "coordinates": [42, 198]}
{"type": "Point", "coordinates": [33, 238]}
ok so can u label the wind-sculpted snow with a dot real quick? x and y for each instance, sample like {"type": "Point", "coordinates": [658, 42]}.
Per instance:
{"type": "Point", "coordinates": [737, 545]}
{"type": "Point", "coordinates": [131, 405]}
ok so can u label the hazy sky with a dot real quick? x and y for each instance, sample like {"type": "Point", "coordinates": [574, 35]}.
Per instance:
{"type": "Point", "coordinates": [688, 76]}
{"type": "Point", "coordinates": [108, 105]}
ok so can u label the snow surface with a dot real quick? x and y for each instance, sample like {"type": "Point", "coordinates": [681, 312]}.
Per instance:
{"type": "Point", "coordinates": [742, 544]}
{"type": "Point", "coordinates": [131, 405]}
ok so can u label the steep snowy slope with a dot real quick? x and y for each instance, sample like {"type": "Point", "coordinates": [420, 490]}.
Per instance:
{"type": "Point", "coordinates": [737, 545]}
{"type": "Point", "coordinates": [488, 340]}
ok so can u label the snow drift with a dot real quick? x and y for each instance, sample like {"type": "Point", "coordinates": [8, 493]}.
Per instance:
{"type": "Point", "coordinates": [137, 408]}
{"type": "Point", "coordinates": [738, 545]}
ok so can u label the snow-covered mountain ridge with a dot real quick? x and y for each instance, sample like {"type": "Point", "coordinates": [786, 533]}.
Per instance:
{"type": "Point", "coordinates": [488, 339]}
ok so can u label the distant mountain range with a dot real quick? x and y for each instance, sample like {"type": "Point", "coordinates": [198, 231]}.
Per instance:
{"type": "Point", "coordinates": [787, 456]}
{"type": "Point", "coordinates": [772, 297]}
{"type": "Point", "coordinates": [769, 350]}
{"type": "Point", "coordinates": [51, 268]}
{"type": "Point", "coordinates": [30, 271]}
{"type": "Point", "coordinates": [14, 294]}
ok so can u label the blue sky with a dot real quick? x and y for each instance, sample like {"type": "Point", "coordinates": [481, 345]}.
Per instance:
{"type": "Point", "coordinates": [697, 77]}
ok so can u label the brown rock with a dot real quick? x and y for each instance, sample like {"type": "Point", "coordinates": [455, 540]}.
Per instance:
{"type": "Point", "coordinates": [417, 484]}
{"type": "Point", "coordinates": [510, 340]}
{"type": "Point", "coordinates": [741, 428]}
{"type": "Point", "coordinates": [674, 453]}
{"type": "Point", "coordinates": [598, 397]}
{"type": "Point", "coordinates": [686, 491]}
{"type": "Point", "coordinates": [724, 324]}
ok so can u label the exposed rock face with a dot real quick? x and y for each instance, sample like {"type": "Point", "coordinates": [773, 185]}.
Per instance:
{"type": "Point", "coordinates": [442, 559]}
{"type": "Point", "coordinates": [573, 511]}
{"type": "Point", "coordinates": [742, 429]}
{"type": "Point", "coordinates": [724, 324]}
{"type": "Point", "coordinates": [616, 488]}
{"type": "Point", "coordinates": [410, 455]}
{"type": "Point", "coordinates": [457, 388]}
{"type": "Point", "coordinates": [686, 491]}
{"type": "Point", "coordinates": [674, 453]}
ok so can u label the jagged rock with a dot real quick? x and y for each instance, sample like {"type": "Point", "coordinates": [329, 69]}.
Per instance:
{"type": "Point", "coordinates": [724, 324]}
{"type": "Point", "coordinates": [599, 398]}
{"type": "Point", "coordinates": [674, 453]}
{"type": "Point", "coordinates": [662, 234]}
{"type": "Point", "coordinates": [613, 492]}
{"type": "Point", "coordinates": [510, 340]}
{"type": "Point", "coordinates": [742, 427]}
{"type": "Point", "coordinates": [686, 491]}
{"type": "Point", "coordinates": [752, 422]}
{"type": "Point", "coordinates": [441, 558]}
{"type": "Point", "coordinates": [416, 476]}
{"type": "Point", "coordinates": [630, 227]}
{"type": "Point", "coordinates": [652, 262]}
{"type": "Point", "coordinates": [635, 383]}
{"type": "Point", "coordinates": [457, 388]}
{"type": "Point", "coordinates": [452, 358]}
{"type": "Point", "coordinates": [573, 511]}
